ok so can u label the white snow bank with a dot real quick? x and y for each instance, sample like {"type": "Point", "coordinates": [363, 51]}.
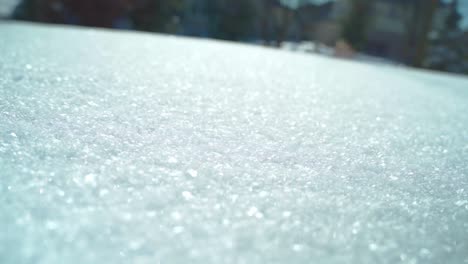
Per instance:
{"type": "Point", "coordinates": [135, 148]}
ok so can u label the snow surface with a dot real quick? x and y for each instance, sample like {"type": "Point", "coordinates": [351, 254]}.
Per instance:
{"type": "Point", "coordinates": [136, 148]}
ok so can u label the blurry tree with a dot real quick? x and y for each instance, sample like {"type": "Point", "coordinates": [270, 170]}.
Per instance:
{"type": "Point", "coordinates": [448, 47]}
{"type": "Point", "coordinates": [157, 15]}
{"type": "Point", "coordinates": [211, 11]}
{"type": "Point", "coordinates": [25, 10]}
{"type": "Point", "coordinates": [354, 28]}
{"type": "Point", "coordinates": [235, 19]}
{"type": "Point", "coordinates": [98, 13]}
{"type": "Point", "coordinates": [149, 15]}
{"type": "Point", "coordinates": [424, 12]}
{"type": "Point", "coordinates": [454, 18]}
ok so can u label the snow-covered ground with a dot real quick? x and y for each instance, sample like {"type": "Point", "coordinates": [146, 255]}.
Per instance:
{"type": "Point", "coordinates": [311, 47]}
{"type": "Point", "coordinates": [136, 148]}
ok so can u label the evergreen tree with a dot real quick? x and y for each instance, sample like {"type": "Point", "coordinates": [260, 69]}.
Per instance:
{"type": "Point", "coordinates": [25, 10]}
{"type": "Point", "coordinates": [236, 18]}
{"type": "Point", "coordinates": [453, 20]}
{"type": "Point", "coordinates": [354, 29]}
{"type": "Point", "coordinates": [157, 15]}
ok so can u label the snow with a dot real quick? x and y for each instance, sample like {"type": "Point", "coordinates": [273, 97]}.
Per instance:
{"type": "Point", "coordinates": [137, 148]}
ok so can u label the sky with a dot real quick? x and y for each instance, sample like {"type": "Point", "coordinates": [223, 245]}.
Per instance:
{"type": "Point", "coordinates": [463, 7]}
{"type": "Point", "coordinates": [6, 6]}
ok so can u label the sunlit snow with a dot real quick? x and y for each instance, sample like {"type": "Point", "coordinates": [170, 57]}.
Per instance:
{"type": "Point", "coordinates": [137, 148]}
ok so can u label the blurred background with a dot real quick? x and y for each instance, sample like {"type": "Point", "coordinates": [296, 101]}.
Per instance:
{"type": "Point", "coordinates": [430, 34]}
